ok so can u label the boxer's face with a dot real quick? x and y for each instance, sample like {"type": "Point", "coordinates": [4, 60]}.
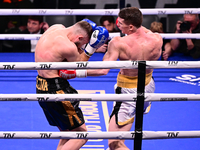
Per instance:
{"type": "Point", "coordinates": [122, 26]}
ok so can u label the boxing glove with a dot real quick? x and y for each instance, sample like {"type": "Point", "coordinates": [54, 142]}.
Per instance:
{"type": "Point", "coordinates": [117, 22]}
{"type": "Point", "coordinates": [91, 23]}
{"type": "Point", "coordinates": [99, 36]}
{"type": "Point", "coordinates": [70, 74]}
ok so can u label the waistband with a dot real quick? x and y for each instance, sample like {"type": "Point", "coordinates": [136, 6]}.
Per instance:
{"type": "Point", "coordinates": [131, 82]}
{"type": "Point", "coordinates": [51, 84]}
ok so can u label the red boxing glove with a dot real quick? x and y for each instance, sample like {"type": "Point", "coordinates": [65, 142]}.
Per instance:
{"type": "Point", "coordinates": [70, 74]}
{"type": "Point", "coordinates": [117, 22]}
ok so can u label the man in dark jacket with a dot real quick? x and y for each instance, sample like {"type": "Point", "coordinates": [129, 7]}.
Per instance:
{"type": "Point", "coordinates": [35, 25]}
{"type": "Point", "coordinates": [190, 47]}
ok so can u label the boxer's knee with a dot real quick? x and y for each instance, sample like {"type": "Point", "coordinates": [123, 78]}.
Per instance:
{"type": "Point", "coordinates": [117, 145]}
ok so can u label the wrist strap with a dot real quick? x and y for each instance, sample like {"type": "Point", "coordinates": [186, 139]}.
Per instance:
{"type": "Point", "coordinates": [81, 73]}
{"type": "Point", "coordinates": [88, 54]}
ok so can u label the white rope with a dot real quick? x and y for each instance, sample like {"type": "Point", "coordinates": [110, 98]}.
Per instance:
{"type": "Point", "coordinates": [99, 97]}
{"type": "Point", "coordinates": [97, 135]}
{"type": "Point", "coordinates": [111, 35]}
{"type": "Point", "coordinates": [114, 12]}
{"type": "Point", "coordinates": [95, 65]}
{"type": "Point", "coordinates": [37, 36]}
{"type": "Point", "coordinates": [180, 35]}
{"type": "Point", "coordinates": [20, 36]}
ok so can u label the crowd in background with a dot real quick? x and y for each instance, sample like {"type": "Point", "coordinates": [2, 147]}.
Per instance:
{"type": "Point", "coordinates": [37, 25]}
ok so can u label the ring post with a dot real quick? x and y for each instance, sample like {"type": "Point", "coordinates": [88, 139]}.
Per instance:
{"type": "Point", "coordinates": [139, 105]}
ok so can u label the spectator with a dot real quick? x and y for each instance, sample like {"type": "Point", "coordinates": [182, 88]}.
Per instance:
{"type": "Point", "coordinates": [35, 25]}
{"type": "Point", "coordinates": [109, 23]}
{"type": "Point", "coordinates": [166, 48]}
{"type": "Point", "coordinates": [12, 24]}
{"type": "Point", "coordinates": [190, 47]}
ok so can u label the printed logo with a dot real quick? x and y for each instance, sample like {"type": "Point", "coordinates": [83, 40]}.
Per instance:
{"type": "Point", "coordinates": [81, 135]}
{"type": "Point", "coordinates": [188, 79]}
{"type": "Point", "coordinates": [172, 134]}
{"type": "Point", "coordinates": [45, 66]}
{"type": "Point", "coordinates": [42, 98]}
{"type": "Point", "coordinates": [133, 134]}
{"type": "Point", "coordinates": [172, 63]}
{"type": "Point", "coordinates": [174, 99]}
{"type": "Point", "coordinates": [42, 11]}
{"type": "Point", "coordinates": [134, 63]}
{"type": "Point", "coordinates": [108, 12]}
{"type": "Point", "coordinates": [10, 99]}
{"type": "Point", "coordinates": [78, 99]}
{"type": "Point", "coordinates": [160, 12]}
{"type": "Point", "coordinates": [9, 135]}
{"type": "Point", "coordinates": [15, 11]}
{"type": "Point", "coordinates": [68, 12]}
{"type": "Point", "coordinates": [14, 38]}
{"type": "Point", "coordinates": [8, 66]}
{"type": "Point", "coordinates": [45, 135]}
{"type": "Point", "coordinates": [82, 64]}
{"type": "Point", "coordinates": [37, 37]}
{"type": "Point", "coordinates": [137, 132]}
{"type": "Point", "coordinates": [188, 11]}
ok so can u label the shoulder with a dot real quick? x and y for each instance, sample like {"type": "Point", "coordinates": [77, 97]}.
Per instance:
{"type": "Point", "coordinates": [67, 49]}
{"type": "Point", "coordinates": [156, 37]}
{"type": "Point", "coordinates": [64, 43]}
{"type": "Point", "coordinates": [56, 26]}
{"type": "Point", "coordinates": [116, 41]}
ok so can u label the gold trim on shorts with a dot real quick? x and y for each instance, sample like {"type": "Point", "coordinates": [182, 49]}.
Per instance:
{"type": "Point", "coordinates": [131, 82]}
{"type": "Point", "coordinates": [69, 109]}
{"type": "Point", "coordinates": [131, 120]}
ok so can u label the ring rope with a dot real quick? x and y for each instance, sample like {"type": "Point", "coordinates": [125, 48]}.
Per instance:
{"type": "Point", "coordinates": [99, 97]}
{"type": "Point", "coordinates": [111, 35]}
{"type": "Point", "coordinates": [37, 36]}
{"type": "Point", "coordinates": [154, 11]}
{"type": "Point", "coordinates": [83, 65]}
{"type": "Point", "coordinates": [95, 65]}
{"type": "Point", "coordinates": [98, 135]}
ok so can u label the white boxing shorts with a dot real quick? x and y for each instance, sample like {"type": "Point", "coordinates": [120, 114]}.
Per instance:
{"type": "Point", "coordinates": [125, 111]}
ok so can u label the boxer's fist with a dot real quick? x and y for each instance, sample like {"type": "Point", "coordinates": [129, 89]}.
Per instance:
{"type": "Point", "coordinates": [70, 74]}
{"type": "Point", "coordinates": [99, 36]}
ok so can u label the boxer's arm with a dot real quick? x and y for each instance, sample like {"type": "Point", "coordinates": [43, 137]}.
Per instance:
{"type": "Point", "coordinates": [98, 38]}
{"type": "Point", "coordinates": [111, 55]}
{"type": "Point", "coordinates": [70, 74]}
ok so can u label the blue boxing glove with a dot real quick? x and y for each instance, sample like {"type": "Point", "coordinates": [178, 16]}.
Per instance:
{"type": "Point", "coordinates": [99, 36]}
{"type": "Point", "coordinates": [94, 25]}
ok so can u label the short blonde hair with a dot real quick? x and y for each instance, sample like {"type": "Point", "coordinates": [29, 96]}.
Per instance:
{"type": "Point", "coordinates": [156, 27]}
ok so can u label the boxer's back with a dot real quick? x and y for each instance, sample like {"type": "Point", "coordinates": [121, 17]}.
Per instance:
{"type": "Point", "coordinates": [139, 46]}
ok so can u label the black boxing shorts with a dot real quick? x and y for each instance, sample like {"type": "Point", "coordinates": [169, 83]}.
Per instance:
{"type": "Point", "coordinates": [66, 115]}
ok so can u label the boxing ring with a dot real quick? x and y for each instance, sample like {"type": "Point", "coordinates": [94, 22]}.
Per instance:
{"type": "Point", "coordinates": [173, 120]}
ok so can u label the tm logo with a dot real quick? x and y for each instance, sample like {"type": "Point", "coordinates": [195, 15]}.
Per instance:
{"type": "Point", "coordinates": [8, 66]}
{"type": "Point", "coordinates": [42, 99]}
{"type": "Point", "coordinates": [82, 135]}
{"type": "Point", "coordinates": [8, 135]}
{"type": "Point", "coordinates": [82, 64]}
{"type": "Point", "coordinates": [45, 66]}
{"type": "Point", "coordinates": [45, 135]}
{"type": "Point", "coordinates": [172, 134]}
